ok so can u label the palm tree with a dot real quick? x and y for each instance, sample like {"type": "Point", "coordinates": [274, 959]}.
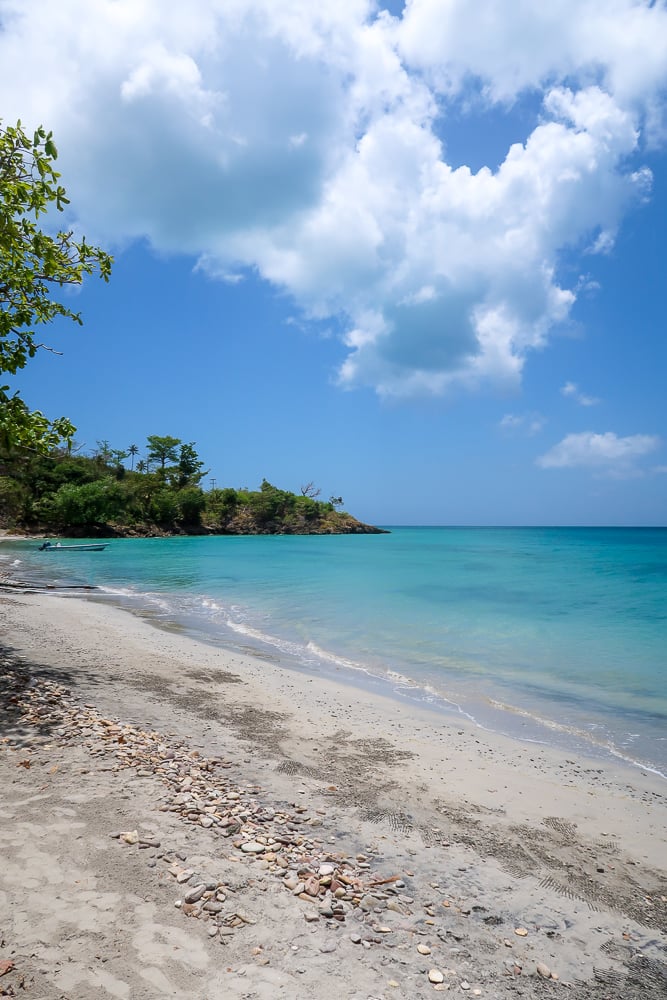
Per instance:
{"type": "Point", "coordinates": [133, 450]}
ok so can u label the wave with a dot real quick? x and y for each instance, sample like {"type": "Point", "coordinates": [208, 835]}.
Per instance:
{"type": "Point", "coordinates": [213, 620]}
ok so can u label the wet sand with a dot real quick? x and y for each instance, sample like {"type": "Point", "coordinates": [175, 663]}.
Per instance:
{"type": "Point", "coordinates": [347, 845]}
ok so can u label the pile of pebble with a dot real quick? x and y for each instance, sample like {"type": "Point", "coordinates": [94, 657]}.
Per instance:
{"type": "Point", "coordinates": [277, 842]}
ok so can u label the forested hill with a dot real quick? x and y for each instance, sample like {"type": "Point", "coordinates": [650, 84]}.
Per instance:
{"type": "Point", "coordinates": [117, 493]}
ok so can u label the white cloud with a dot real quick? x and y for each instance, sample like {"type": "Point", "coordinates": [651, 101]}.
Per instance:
{"type": "Point", "coordinates": [299, 140]}
{"type": "Point", "coordinates": [528, 423]}
{"type": "Point", "coordinates": [607, 453]}
{"type": "Point", "coordinates": [572, 390]}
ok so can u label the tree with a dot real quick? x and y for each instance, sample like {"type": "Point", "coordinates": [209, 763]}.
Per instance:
{"type": "Point", "coordinates": [336, 501]}
{"type": "Point", "coordinates": [190, 468]}
{"type": "Point", "coordinates": [32, 265]}
{"type": "Point", "coordinates": [133, 451]}
{"type": "Point", "coordinates": [102, 452]}
{"type": "Point", "coordinates": [310, 490]}
{"type": "Point", "coordinates": [162, 449]}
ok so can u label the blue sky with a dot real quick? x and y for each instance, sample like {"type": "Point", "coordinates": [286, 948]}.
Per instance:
{"type": "Point", "coordinates": [415, 255]}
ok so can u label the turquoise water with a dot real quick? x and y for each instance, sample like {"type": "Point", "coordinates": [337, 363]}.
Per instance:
{"type": "Point", "coordinates": [549, 634]}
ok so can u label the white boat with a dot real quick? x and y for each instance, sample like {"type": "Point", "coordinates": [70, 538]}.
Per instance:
{"type": "Point", "coordinates": [58, 547]}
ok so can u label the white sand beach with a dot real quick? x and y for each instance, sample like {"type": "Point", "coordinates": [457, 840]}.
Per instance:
{"type": "Point", "coordinates": [179, 821]}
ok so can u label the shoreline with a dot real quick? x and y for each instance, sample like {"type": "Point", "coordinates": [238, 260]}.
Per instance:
{"type": "Point", "coordinates": [497, 838]}
{"type": "Point", "coordinates": [520, 721]}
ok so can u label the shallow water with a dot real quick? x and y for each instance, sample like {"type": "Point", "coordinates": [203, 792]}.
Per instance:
{"type": "Point", "coordinates": [550, 634]}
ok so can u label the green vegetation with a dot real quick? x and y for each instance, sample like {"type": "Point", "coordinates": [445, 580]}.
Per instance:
{"type": "Point", "coordinates": [33, 264]}
{"type": "Point", "coordinates": [98, 496]}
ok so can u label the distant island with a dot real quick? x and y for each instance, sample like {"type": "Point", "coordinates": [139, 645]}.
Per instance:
{"type": "Point", "coordinates": [99, 496]}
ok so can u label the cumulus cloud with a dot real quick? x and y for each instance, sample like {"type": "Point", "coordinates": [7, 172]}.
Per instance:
{"type": "Point", "coordinates": [308, 142]}
{"type": "Point", "coordinates": [572, 390]}
{"type": "Point", "coordinates": [607, 453]}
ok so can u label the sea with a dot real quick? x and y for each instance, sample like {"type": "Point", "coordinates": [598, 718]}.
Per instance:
{"type": "Point", "coordinates": [550, 635]}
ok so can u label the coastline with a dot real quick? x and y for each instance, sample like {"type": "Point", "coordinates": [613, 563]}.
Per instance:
{"type": "Point", "coordinates": [567, 717]}
{"type": "Point", "coordinates": [499, 836]}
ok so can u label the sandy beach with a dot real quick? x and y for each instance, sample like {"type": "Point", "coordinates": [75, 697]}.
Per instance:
{"type": "Point", "coordinates": [180, 821]}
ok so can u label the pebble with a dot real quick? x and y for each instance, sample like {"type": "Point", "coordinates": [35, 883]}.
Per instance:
{"type": "Point", "coordinates": [521, 931]}
{"type": "Point", "coordinates": [423, 949]}
{"type": "Point", "coordinates": [435, 976]}
{"type": "Point", "coordinates": [312, 887]}
{"type": "Point", "coordinates": [543, 970]}
{"type": "Point", "coordinates": [252, 847]}
{"type": "Point", "coordinates": [195, 894]}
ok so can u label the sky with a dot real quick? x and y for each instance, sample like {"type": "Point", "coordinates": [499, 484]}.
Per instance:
{"type": "Point", "coordinates": [413, 253]}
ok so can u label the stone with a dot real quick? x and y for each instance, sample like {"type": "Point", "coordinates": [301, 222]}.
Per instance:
{"type": "Point", "coordinates": [312, 886]}
{"type": "Point", "coordinates": [521, 931]}
{"type": "Point", "coordinates": [423, 949]}
{"type": "Point", "coordinates": [131, 837]}
{"type": "Point", "coordinates": [435, 976]}
{"type": "Point", "coordinates": [194, 894]}
{"type": "Point", "coordinates": [252, 847]}
{"type": "Point", "coordinates": [543, 970]}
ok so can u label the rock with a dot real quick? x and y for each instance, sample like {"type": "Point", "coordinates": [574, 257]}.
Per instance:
{"type": "Point", "coordinates": [435, 976]}
{"type": "Point", "coordinates": [328, 946]}
{"type": "Point", "coordinates": [312, 886]}
{"type": "Point", "coordinates": [521, 931]}
{"type": "Point", "coordinates": [465, 985]}
{"type": "Point", "coordinates": [543, 970]}
{"type": "Point", "coordinates": [423, 949]}
{"type": "Point", "coordinates": [252, 847]}
{"type": "Point", "coordinates": [194, 894]}
{"type": "Point", "coordinates": [131, 837]}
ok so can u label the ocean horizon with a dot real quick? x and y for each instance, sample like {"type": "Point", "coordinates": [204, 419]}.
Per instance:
{"type": "Point", "coordinates": [552, 635]}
